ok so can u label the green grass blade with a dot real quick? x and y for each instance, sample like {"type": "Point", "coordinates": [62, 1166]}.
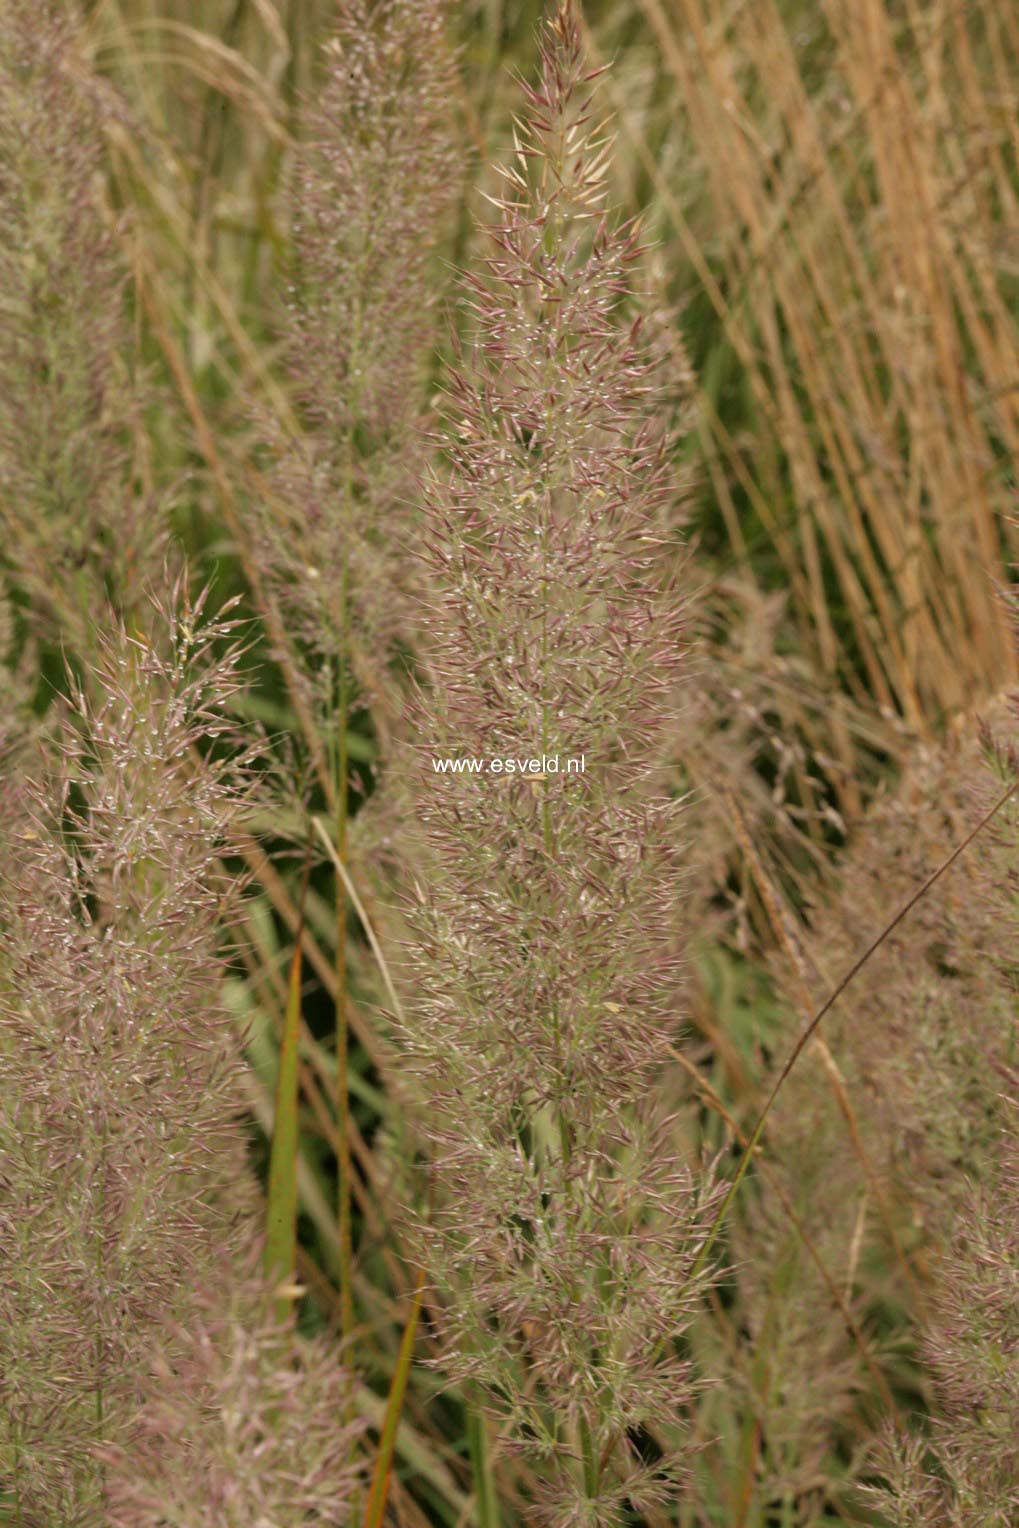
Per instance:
{"type": "Point", "coordinates": [481, 1469]}
{"type": "Point", "coordinates": [281, 1212]}
{"type": "Point", "coordinates": [375, 1508]}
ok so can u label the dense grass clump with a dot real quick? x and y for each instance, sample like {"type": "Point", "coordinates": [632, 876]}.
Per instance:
{"type": "Point", "coordinates": [508, 779]}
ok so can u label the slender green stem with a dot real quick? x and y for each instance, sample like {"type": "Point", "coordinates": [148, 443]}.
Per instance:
{"type": "Point", "coordinates": [100, 1336]}
{"type": "Point", "coordinates": [342, 1025]}
{"type": "Point", "coordinates": [342, 722]}
{"type": "Point", "coordinates": [592, 1464]}
{"type": "Point", "coordinates": [481, 1468]}
{"type": "Point", "coordinates": [17, 1475]}
{"type": "Point", "coordinates": [382, 1475]}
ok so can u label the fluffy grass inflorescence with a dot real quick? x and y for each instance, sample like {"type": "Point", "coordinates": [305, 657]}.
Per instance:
{"type": "Point", "coordinates": [74, 532]}
{"type": "Point", "coordinates": [965, 1470]}
{"type": "Point", "coordinates": [546, 962]}
{"type": "Point", "coordinates": [236, 1428]}
{"type": "Point", "coordinates": [887, 1144]}
{"type": "Point", "coordinates": [833, 187]}
{"type": "Point", "coordinates": [374, 172]}
{"type": "Point", "coordinates": [974, 1341]}
{"type": "Point", "coordinates": [123, 1161]}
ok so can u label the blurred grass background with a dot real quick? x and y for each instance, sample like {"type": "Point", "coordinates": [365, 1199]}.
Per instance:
{"type": "Point", "coordinates": [832, 205]}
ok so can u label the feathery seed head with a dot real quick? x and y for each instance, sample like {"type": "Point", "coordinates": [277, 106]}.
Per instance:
{"type": "Point", "coordinates": [235, 1430]}
{"type": "Point", "coordinates": [123, 1156]}
{"type": "Point", "coordinates": [74, 535]}
{"type": "Point", "coordinates": [546, 950]}
{"type": "Point", "coordinates": [375, 172]}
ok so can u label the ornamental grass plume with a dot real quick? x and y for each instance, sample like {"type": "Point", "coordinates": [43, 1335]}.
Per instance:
{"type": "Point", "coordinates": [964, 1472]}
{"type": "Point", "coordinates": [122, 1157]}
{"type": "Point", "coordinates": [374, 173]}
{"type": "Point", "coordinates": [887, 1141]}
{"type": "Point", "coordinates": [73, 530]}
{"type": "Point", "coordinates": [233, 1430]}
{"type": "Point", "coordinates": [544, 967]}
{"type": "Point", "coordinates": [375, 170]}
{"type": "Point", "coordinates": [931, 1016]}
{"type": "Point", "coordinates": [973, 1345]}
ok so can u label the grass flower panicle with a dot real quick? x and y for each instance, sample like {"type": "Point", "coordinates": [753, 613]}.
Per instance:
{"type": "Point", "coordinates": [546, 958]}
{"type": "Point", "coordinates": [74, 532]}
{"type": "Point", "coordinates": [374, 173]}
{"type": "Point", "coordinates": [965, 1470]}
{"type": "Point", "coordinates": [493, 1277]}
{"type": "Point", "coordinates": [123, 1155]}
{"type": "Point", "coordinates": [234, 1429]}
{"type": "Point", "coordinates": [887, 1137]}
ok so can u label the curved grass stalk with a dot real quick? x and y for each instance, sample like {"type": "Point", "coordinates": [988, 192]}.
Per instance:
{"type": "Point", "coordinates": [815, 1021]}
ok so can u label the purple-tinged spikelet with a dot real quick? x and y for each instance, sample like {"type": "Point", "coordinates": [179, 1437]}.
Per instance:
{"type": "Point", "coordinates": [122, 1154]}
{"type": "Point", "coordinates": [375, 172]}
{"type": "Point", "coordinates": [545, 967]}
{"type": "Point", "coordinates": [965, 1472]}
{"type": "Point", "coordinates": [888, 1142]}
{"type": "Point", "coordinates": [236, 1427]}
{"type": "Point", "coordinates": [973, 1345]}
{"type": "Point", "coordinates": [73, 533]}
